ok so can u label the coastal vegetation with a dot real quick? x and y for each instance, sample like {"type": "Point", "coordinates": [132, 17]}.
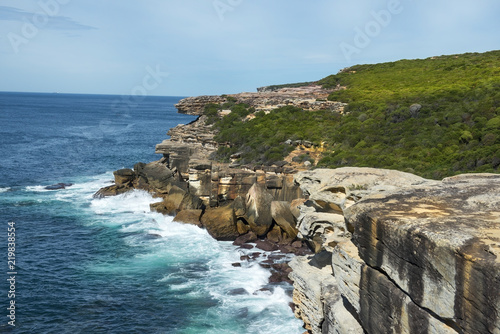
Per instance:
{"type": "Point", "coordinates": [290, 85]}
{"type": "Point", "coordinates": [434, 117]}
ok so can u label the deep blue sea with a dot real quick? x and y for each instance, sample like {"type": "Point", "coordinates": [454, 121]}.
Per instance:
{"type": "Point", "coordinates": [85, 265]}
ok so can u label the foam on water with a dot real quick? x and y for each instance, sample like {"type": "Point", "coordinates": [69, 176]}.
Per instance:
{"type": "Point", "coordinates": [183, 260]}
{"type": "Point", "coordinates": [133, 202]}
{"type": "Point", "coordinates": [196, 266]}
{"type": "Point", "coordinates": [37, 189]}
{"type": "Point", "coordinates": [4, 190]}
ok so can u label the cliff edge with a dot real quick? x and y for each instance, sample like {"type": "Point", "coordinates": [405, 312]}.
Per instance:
{"type": "Point", "coordinates": [390, 252]}
{"type": "Point", "coordinates": [396, 253]}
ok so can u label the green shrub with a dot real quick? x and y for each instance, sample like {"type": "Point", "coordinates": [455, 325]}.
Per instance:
{"type": "Point", "coordinates": [455, 131]}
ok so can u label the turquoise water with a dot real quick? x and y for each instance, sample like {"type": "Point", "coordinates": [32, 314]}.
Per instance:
{"type": "Point", "coordinates": [86, 265]}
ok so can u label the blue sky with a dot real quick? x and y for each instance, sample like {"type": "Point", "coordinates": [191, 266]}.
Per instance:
{"type": "Point", "coordinates": [198, 47]}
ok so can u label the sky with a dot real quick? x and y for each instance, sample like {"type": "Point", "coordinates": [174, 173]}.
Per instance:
{"type": "Point", "coordinates": [212, 47]}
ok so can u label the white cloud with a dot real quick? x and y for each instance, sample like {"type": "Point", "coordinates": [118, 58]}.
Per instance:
{"type": "Point", "coordinates": [41, 19]}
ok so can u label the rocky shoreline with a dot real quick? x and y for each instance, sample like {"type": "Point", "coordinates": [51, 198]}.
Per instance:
{"type": "Point", "coordinates": [377, 251]}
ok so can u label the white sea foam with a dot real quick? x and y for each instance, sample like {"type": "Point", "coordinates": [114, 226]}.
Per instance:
{"type": "Point", "coordinates": [195, 264]}
{"type": "Point", "coordinates": [4, 190]}
{"type": "Point", "coordinates": [37, 189]}
{"type": "Point", "coordinates": [133, 202]}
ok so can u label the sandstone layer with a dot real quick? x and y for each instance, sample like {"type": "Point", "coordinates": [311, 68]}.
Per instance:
{"type": "Point", "coordinates": [410, 256]}
{"type": "Point", "coordinates": [312, 97]}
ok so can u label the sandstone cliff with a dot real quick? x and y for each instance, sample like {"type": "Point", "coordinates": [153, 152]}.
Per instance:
{"type": "Point", "coordinates": [393, 252]}
{"type": "Point", "coordinates": [229, 201]}
{"type": "Point", "coordinates": [311, 97]}
{"type": "Point", "coordinates": [396, 253]}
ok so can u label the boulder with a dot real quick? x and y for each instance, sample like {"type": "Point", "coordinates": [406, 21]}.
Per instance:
{"type": "Point", "coordinates": [266, 245]}
{"type": "Point", "coordinates": [220, 223]}
{"type": "Point", "coordinates": [156, 173]}
{"type": "Point", "coordinates": [282, 215]}
{"type": "Point", "coordinates": [245, 238]}
{"type": "Point", "coordinates": [177, 200]}
{"type": "Point", "coordinates": [124, 176]}
{"type": "Point", "coordinates": [258, 213]}
{"type": "Point", "coordinates": [242, 227]}
{"type": "Point", "coordinates": [275, 234]}
{"type": "Point", "coordinates": [239, 207]}
{"type": "Point", "coordinates": [415, 109]}
{"type": "Point", "coordinates": [189, 217]}
{"type": "Point", "coordinates": [111, 191]}
{"type": "Point", "coordinates": [440, 244]}
{"type": "Point", "coordinates": [295, 206]}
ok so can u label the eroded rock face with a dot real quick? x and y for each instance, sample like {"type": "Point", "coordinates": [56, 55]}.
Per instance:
{"type": "Point", "coordinates": [425, 256]}
{"type": "Point", "coordinates": [311, 97]}
{"type": "Point", "coordinates": [258, 213]}
{"type": "Point", "coordinates": [379, 304]}
{"type": "Point", "coordinates": [440, 243]}
{"type": "Point", "coordinates": [307, 294]}
{"type": "Point", "coordinates": [323, 230]}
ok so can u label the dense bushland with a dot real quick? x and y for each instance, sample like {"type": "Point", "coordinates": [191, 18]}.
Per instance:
{"type": "Point", "coordinates": [434, 117]}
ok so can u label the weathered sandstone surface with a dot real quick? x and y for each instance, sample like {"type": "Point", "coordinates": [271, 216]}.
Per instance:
{"type": "Point", "coordinates": [311, 97]}
{"type": "Point", "coordinates": [411, 256]}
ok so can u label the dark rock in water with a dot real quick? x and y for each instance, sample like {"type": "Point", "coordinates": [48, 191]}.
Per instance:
{"type": "Point", "coordinates": [246, 246]}
{"type": "Point", "coordinates": [111, 191]}
{"type": "Point", "coordinates": [265, 289]}
{"type": "Point", "coordinates": [153, 236]}
{"type": "Point", "coordinates": [245, 238]}
{"type": "Point", "coordinates": [266, 245]}
{"type": "Point", "coordinates": [279, 276]}
{"type": "Point", "coordinates": [58, 186]}
{"type": "Point", "coordinates": [236, 264]}
{"type": "Point", "coordinates": [237, 292]}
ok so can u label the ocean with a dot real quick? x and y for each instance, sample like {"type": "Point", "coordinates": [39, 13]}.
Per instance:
{"type": "Point", "coordinates": [75, 264]}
